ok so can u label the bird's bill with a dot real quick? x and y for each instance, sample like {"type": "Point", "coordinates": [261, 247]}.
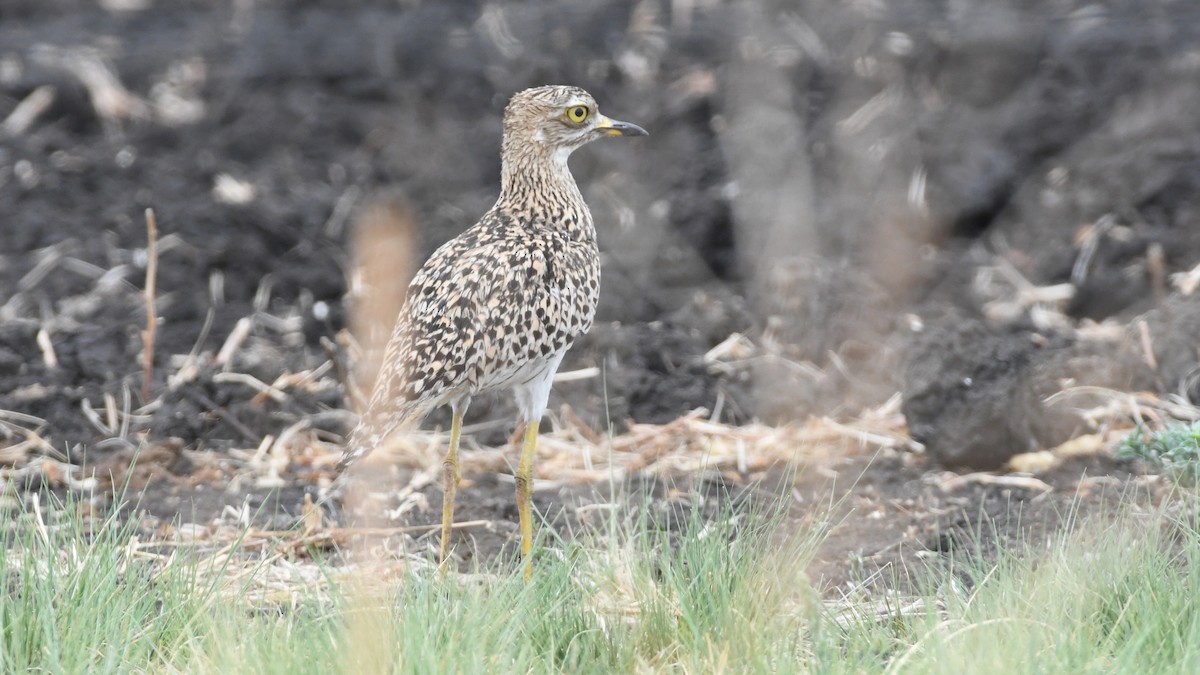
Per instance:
{"type": "Point", "coordinates": [613, 127]}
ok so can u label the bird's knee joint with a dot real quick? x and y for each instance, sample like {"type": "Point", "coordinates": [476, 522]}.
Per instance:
{"type": "Point", "coordinates": [523, 485]}
{"type": "Point", "coordinates": [450, 474]}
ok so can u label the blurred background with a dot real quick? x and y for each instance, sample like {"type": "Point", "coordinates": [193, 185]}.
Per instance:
{"type": "Point", "coordinates": [963, 207]}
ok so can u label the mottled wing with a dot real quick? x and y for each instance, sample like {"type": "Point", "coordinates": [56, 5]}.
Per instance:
{"type": "Point", "coordinates": [485, 304]}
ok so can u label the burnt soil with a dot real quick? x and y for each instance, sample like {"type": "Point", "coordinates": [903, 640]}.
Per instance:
{"type": "Point", "coordinates": [866, 196]}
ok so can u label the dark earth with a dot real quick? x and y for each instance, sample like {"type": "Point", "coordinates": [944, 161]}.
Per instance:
{"type": "Point", "coordinates": [977, 207]}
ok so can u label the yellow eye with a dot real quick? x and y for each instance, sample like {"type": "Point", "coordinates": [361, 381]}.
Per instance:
{"type": "Point", "coordinates": [577, 114]}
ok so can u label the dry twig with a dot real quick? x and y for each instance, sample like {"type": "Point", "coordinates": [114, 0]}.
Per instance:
{"type": "Point", "coordinates": [49, 356]}
{"type": "Point", "coordinates": [151, 316]}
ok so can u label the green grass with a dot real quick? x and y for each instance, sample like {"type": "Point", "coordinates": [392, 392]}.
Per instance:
{"type": "Point", "coordinates": [74, 601]}
{"type": "Point", "coordinates": [1116, 597]}
{"type": "Point", "coordinates": [1121, 595]}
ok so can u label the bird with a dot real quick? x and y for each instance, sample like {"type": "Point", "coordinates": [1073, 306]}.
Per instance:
{"type": "Point", "coordinates": [497, 307]}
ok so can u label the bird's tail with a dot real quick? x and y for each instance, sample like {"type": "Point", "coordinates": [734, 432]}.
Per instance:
{"type": "Point", "coordinates": [376, 427]}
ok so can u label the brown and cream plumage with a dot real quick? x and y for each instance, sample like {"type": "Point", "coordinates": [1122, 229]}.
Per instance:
{"type": "Point", "coordinates": [497, 306]}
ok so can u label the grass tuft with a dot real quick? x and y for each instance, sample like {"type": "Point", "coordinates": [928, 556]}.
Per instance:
{"type": "Point", "coordinates": [75, 601]}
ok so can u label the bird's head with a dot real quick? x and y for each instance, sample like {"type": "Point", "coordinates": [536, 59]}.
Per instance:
{"type": "Point", "coordinates": [559, 119]}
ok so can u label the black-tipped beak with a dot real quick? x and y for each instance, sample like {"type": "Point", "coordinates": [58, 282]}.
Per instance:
{"type": "Point", "coordinates": [613, 127]}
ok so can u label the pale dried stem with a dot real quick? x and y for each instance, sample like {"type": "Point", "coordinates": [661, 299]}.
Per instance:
{"type": "Point", "coordinates": [151, 315]}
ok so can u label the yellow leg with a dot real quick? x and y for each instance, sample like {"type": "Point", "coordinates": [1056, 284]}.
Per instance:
{"type": "Point", "coordinates": [450, 480]}
{"type": "Point", "coordinates": [525, 494]}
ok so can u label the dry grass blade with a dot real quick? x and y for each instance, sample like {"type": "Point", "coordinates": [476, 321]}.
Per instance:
{"type": "Point", "coordinates": [233, 343]}
{"type": "Point", "coordinates": [28, 110]}
{"type": "Point", "coordinates": [572, 452]}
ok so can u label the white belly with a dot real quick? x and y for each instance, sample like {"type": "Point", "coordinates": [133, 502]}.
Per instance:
{"type": "Point", "coordinates": [530, 383]}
